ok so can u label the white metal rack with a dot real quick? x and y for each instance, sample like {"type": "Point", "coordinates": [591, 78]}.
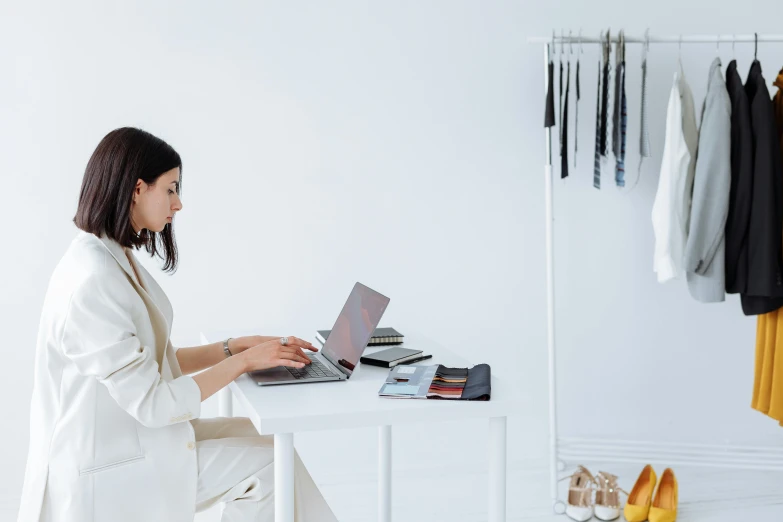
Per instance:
{"type": "Point", "coordinates": [745, 458]}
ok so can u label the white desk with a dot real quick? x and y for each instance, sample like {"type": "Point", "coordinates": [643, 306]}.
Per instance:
{"type": "Point", "coordinates": [285, 409]}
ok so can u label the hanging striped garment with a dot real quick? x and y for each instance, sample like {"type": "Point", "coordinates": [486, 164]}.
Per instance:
{"type": "Point", "coordinates": [619, 175]}
{"type": "Point", "coordinates": [597, 156]}
{"type": "Point", "coordinates": [605, 93]}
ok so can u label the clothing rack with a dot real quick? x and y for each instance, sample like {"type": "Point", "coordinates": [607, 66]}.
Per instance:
{"type": "Point", "coordinates": [745, 460]}
{"type": "Point", "coordinates": [673, 39]}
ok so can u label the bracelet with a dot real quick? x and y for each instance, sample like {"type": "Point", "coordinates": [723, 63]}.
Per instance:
{"type": "Point", "coordinates": [225, 347]}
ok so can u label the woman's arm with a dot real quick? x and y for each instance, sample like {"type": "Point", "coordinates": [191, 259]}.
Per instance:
{"type": "Point", "coordinates": [216, 378]}
{"type": "Point", "coordinates": [197, 358]}
{"type": "Point", "coordinates": [269, 354]}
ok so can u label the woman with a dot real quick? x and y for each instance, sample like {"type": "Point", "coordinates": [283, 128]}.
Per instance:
{"type": "Point", "coordinates": [114, 429]}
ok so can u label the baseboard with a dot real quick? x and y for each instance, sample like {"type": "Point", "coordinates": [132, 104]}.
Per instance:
{"type": "Point", "coordinates": [572, 450]}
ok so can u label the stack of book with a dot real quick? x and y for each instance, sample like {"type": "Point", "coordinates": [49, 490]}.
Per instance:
{"type": "Point", "coordinates": [380, 337]}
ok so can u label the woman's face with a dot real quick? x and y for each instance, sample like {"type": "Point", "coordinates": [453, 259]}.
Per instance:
{"type": "Point", "coordinates": [155, 205]}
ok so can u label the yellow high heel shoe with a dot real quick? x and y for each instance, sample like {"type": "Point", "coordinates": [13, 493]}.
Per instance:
{"type": "Point", "coordinates": [664, 506]}
{"type": "Point", "coordinates": [637, 508]}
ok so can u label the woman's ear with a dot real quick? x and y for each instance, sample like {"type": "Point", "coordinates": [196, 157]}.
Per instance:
{"type": "Point", "coordinates": [137, 189]}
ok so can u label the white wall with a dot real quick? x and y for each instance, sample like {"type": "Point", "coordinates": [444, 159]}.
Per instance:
{"type": "Point", "coordinates": [398, 144]}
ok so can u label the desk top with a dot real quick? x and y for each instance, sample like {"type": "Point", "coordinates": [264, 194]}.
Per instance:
{"type": "Point", "coordinates": [355, 403]}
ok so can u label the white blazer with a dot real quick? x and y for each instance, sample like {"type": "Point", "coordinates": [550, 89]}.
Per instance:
{"type": "Point", "coordinates": [672, 206]}
{"type": "Point", "coordinates": [110, 437]}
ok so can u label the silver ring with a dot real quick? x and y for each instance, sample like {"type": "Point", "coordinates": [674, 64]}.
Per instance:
{"type": "Point", "coordinates": [284, 341]}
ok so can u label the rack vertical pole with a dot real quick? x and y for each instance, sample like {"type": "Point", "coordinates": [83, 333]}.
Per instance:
{"type": "Point", "coordinates": [550, 295]}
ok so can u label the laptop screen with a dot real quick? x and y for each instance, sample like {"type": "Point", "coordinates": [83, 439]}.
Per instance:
{"type": "Point", "coordinates": [354, 327]}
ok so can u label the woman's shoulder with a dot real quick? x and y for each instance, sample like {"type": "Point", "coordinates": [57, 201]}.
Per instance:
{"type": "Point", "coordinates": [86, 255]}
{"type": "Point", "coordinates": [83, 269]}
{"type": "Point", "coordinates": [86, 261]}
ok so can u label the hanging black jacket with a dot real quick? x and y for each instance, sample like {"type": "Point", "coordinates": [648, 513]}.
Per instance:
{"type": "Point", "coordinates": [764, 289]}
{"type": "Point", "coordinates": [741, 183]}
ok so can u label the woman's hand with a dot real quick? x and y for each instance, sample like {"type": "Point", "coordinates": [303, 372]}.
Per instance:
{"type": "Point", "coordinates": [271, 354]}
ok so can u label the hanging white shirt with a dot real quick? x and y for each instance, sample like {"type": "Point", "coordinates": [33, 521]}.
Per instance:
{"type": "Point", "coordinates": [671, 209]}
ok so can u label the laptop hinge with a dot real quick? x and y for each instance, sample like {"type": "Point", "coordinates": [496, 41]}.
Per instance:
{"type": "Point", "coordinates": [334, 367]}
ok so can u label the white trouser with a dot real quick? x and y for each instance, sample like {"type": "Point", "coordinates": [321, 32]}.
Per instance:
{"type": "Point", "coordinates": [236, 466]}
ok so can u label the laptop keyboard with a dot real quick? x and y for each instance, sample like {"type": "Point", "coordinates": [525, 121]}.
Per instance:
{"type": "Point", "coordinates": [313, 370]}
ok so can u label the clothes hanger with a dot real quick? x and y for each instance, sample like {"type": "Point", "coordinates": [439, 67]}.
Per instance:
{"type": "Point", "coordinates": [679, 55]}
{"type": "Point", "coordinates": [570, 46]}
{"type": "Point", "coordinates": [733, 44]}
{"type": "Point", "coordinates": [562, 39]}
{"type": "Point", "coordinates": [756, 47]}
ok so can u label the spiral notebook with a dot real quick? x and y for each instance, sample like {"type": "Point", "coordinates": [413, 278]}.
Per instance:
{"type": "Point", "coordinates": [381, 336]}
{"type": "Point", "coordinates": [438, 382]}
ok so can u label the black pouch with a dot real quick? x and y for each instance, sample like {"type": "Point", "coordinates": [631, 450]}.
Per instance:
{"type": "Point", "coordinates": [478, 387]}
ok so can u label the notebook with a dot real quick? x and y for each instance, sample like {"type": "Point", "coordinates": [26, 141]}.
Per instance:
{"type": "Point", "coordinates": [380, 336]}
{"type": "Point", "coordinates": [438, 382]}
{"type": "Point", "coordinates": [390, 357]}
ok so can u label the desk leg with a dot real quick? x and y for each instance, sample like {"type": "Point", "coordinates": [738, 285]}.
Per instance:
{"type": "Point", "coordinates": [284, 477]}
{"type": "Point", "coordinates": [497, 469]}
{"type": "Point", "coordinates": [225, 404]}
{"type": "Point", "coordinates": [384, 473]}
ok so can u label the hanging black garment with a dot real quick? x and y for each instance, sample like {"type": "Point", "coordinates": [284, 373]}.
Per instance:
{"type": "Point", "coordinates": [741, 184]}
{"type": "Point", "coordinates": [564, 146]}
{"type": "Point", "coordinates": [549, 113]}
{"type": "Point", "coordinates": [764, 291]}
{"type": "Point", "coordinates": [576, 115]}
{"type": "Point", "coordinates": [604, 109]}
{"type": "Point", "coordinates": [560, 125]}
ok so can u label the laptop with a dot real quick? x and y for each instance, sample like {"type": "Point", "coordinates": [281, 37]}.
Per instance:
{"type": "Point", "coordinates": [340, 354]}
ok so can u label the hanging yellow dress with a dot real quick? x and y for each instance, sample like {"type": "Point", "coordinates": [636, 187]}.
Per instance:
{"type": "Point", "coordinates": [768, 382]}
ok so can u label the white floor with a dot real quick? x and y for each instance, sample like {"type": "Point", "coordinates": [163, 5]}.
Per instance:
{"type": "Point", "coordinates": [448, 493]}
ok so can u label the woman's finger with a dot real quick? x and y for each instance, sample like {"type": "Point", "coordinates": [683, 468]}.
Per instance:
{"type": "Point", "coordinates": [289, 349]}
{"type": "Point", "coordinates": [296, 341]}
{"type": "Point", "coordinates": [294, 354]}
{"type": "Point", "coordinates": [289, 363]}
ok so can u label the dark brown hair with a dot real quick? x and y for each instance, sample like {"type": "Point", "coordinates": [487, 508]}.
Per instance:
{"type": "Point", "coordinates": [122, 157]}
